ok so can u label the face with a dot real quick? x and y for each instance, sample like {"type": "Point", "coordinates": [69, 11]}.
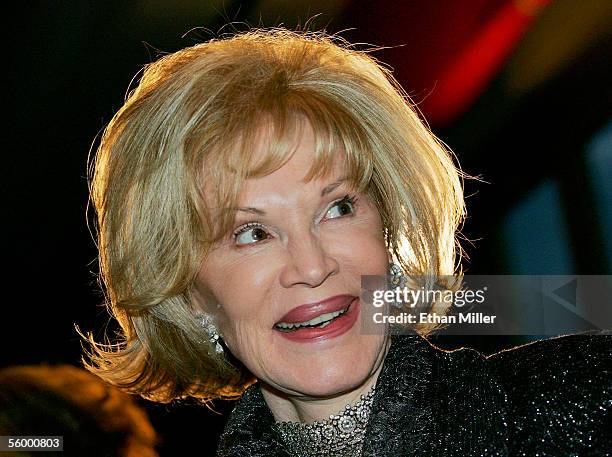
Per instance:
{"type": "Point", "coordinates": [299, 244]}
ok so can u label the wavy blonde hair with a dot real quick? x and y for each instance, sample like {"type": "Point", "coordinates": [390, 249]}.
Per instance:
{"type": "Point", "coordinates": [190, 124]}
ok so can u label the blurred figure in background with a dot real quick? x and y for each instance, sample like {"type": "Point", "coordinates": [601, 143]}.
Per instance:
{"type": "Point", "coordinates": [94, 418]}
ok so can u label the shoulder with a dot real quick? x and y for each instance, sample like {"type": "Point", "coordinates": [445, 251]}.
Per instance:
{"type": "Point", "coordinates": [578, 360]}
{"type": "Point", "coordinates": [559, 393]}
{"type": "Point", "coordinates": [247, 430]}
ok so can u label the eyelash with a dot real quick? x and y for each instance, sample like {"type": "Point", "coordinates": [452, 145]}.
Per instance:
{"type": "Point", "coordinates": [351, 199]}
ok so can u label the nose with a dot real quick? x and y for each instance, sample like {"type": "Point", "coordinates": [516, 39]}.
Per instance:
{"type": "Point", "coordinates": [308, 263]}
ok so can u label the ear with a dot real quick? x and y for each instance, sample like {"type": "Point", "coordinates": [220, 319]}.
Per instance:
{"type": "Point", "coordinates": [203, 299]}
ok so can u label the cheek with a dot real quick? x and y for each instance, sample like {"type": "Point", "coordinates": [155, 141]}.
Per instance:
{"type": "Point", "coordinates": [228, 283]}
{"type": "Point", "coordinates": [359, 246]}
{"type": "Point", "coordinates": [241, 285]}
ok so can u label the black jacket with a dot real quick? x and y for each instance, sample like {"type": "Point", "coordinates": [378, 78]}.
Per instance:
{"type": "Point", "coordinates": [547, 398]}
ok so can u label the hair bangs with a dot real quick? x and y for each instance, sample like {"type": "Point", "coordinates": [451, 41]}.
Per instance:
{"type": "Point", "coordinates": [338, 137]}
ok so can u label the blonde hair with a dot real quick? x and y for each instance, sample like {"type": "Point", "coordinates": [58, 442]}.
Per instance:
{"type": "Point", "coordinates": [190, 124]}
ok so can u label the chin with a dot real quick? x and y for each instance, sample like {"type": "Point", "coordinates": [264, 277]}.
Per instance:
{"type": "Point", "coordinates": [338, 371]}
{"type": "Point", "coordinates": [336, 383]}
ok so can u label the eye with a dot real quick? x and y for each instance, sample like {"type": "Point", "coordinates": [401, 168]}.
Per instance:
{"type": "Point", "coordinates": [250, 233]}
{"type": "Point", "coordinates": [342, 207]}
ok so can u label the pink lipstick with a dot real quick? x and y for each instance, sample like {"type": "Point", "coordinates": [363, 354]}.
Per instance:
{"type": "Point", "coordinates": [321, 320]}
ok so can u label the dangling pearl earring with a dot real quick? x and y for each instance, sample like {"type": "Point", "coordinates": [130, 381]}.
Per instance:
{"type": "Point", "coordinates": [398, 280]}
{"type": "Point", "coordinates": [397, 275]}
{"type": "Point", "coordinates": [213, 334]}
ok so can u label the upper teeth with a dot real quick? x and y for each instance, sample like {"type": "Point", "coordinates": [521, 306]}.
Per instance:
{"type": "Point", "coordinates": [317, 320]}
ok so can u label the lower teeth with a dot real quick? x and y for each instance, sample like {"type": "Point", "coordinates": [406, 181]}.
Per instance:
{"type": "Point", "coordinates": [324, 324]}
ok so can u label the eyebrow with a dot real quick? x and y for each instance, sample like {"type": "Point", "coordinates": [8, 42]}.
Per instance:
{"type": "Point", "coordinates": [326, 190]}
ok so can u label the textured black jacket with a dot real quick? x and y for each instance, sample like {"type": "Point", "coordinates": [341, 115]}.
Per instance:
{"type": "Point", "coordinates": [547, 398]}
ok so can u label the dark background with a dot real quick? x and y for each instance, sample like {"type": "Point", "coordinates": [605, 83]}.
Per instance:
{"type": "Point", "coordinates": [531, 116]}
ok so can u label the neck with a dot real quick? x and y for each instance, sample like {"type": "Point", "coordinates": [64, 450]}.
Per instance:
{"type": "Point", "coordinates": [309, 409]}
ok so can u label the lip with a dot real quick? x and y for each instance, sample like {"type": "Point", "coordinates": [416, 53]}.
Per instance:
{"type": "Point", "coordinates": [309, 311]}
{"type": "Point", "coordinates": [339, 326]}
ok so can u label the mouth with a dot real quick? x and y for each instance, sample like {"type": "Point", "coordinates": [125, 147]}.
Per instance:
{"type": "Point", "coordinates": [318, 322]}
{"type": "Point", "coordinates": [321, 321]}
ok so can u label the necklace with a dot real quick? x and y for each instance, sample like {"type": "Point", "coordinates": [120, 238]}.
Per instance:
{"type": "Point", "coordinates": [339, 436]}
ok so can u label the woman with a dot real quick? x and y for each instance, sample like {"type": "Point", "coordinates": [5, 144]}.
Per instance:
{"type": "Point", "coordinates": [242, 191]}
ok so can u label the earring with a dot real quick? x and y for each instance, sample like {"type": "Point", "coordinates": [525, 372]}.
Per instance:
{"type": "Point", "coordinates": [398, 280]}
{"type": "Point", "coordinates": [213, 334]}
